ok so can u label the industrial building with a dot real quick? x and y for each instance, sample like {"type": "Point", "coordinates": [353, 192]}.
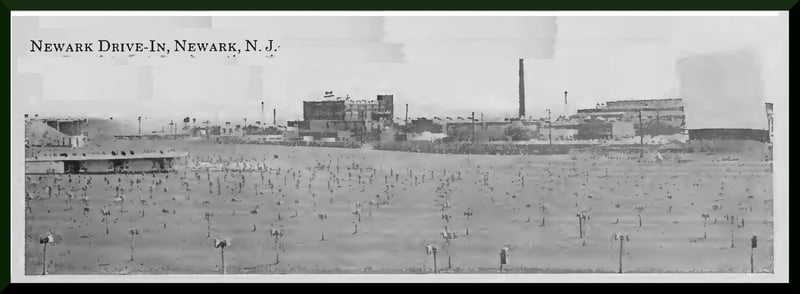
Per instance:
{"type": "Point", "coordinates": [324, 110]}
{"type": "Point", "coordinates": [358, 119]}
{"type": "Point", "coordinates": [649, 117]}
{"type": "Point", "coordinates": [381, 109]}
{"type": "Point", "coordinates": [667, 112]}
{"type": "Point", "coordinates": [729, 134]}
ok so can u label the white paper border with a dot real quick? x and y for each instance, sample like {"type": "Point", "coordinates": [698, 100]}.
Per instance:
{"type": "Point", "coordinates": [780, 178]}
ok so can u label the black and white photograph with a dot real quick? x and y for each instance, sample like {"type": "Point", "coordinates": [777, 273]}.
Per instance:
{"type": "Point", "coordinates": [533, 146]}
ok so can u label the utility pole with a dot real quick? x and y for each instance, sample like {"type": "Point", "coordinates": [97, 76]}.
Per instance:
{"type": "Point", "coordinates": [658, 116]}
{"type": "Point", "coordinates": [472, 119]}
{"type": "Point", "coordinates": [521, 89]}
{"type": "Point", "coordinates": [406, 113]}
{"type": "Point", "coordinates": [550, 128]}
{"type": "Point", "coordinates": [641, 128]}
{"type": "Point", "coordinates": [274, 117]}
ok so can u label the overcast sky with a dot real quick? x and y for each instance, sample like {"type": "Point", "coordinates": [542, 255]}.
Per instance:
{"type": "Point", "coordinates": [725, 67]}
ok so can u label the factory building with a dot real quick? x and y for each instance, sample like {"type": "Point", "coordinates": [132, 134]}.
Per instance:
{"type": "Point", "coordinates": [324, 110]}
{"type": "Point", "coordinates": [729, 134]}
{"type": "Point", "coordinates": [649, 117]}
{"type": "Point", "coordinates": [666, 112]}
{"type": "Point", "coordinates": [380, 109]}
{"type": "Point", "coordinates": [361, 119]}
{"type": "Point", "coordinates": [726, 140]}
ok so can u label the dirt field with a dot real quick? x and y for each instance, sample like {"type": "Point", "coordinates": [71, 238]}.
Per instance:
{"type": "Point", "coordinates": [505, 194]}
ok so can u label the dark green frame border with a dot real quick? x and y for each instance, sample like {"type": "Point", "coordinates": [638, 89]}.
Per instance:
{"type": "Point", "coordinates": [401, 5]}
{"type": "Point", "coordinates": [9, 5]}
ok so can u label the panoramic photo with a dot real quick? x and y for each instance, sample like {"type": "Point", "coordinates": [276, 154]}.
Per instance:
{"type": "Point", "coordinates": [398, 144]}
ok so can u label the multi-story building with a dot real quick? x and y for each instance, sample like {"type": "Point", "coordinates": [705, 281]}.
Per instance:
{"type": "Point", "coordinates": [380, 110]}
{"type": "Point", "coordinates": [652, 116]}
{"type": "Point", "coordinates": [360, 117]}
{"type": "Point", "coordinates": [324, 110]}
{"type": "Point", "coordinates": [668, 112]}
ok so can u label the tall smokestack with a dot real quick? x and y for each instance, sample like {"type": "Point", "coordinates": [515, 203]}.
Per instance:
{"type": "Point", "coordinates": [273, 117]}
{"type": "Point", "coordinates": [521, 89]}
{"type": "Point", "coordinates": [406, 113]}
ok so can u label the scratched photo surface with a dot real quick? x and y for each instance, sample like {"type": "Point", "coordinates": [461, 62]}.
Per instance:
{"type": "Point", "coordinates": [398, 144]}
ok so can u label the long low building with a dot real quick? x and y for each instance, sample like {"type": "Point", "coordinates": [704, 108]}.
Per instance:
{"type": "Point", "coordinates": [729, 134]}
{"type": "Point", "coordinates": [102, 163]}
